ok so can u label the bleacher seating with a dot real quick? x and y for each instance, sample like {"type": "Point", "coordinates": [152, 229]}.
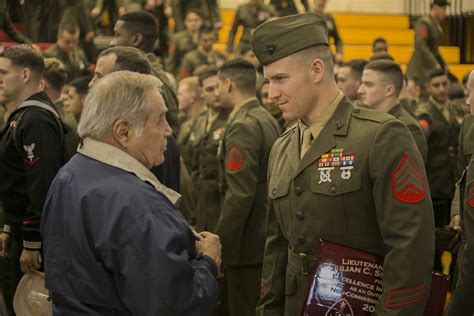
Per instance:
{"type": "Point", "coordinates": [358, 31]}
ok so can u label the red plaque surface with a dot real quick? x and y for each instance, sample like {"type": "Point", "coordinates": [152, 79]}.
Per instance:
{"type": "Point", "coordinates": [348, 282]}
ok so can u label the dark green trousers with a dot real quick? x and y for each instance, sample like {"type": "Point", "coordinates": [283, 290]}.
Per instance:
{"type": "Point", "coordinates": [243, 289]}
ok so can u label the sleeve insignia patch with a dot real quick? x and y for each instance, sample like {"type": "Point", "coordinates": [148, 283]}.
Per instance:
{"type": "Point", "coordinates": [424, 124]}
{"type": "Point", "coordinates": [408, 182]}
{"type": "Point", "coordinates": [403, 297]}
{"type": "Point", "coordinates": [234, 160]}
{"type": "Point", "coordinates": [423, 32]}
{"type": "Point", "coordinates": [31, 159]}
{"type": "Point", "coordinates": [470, 199]}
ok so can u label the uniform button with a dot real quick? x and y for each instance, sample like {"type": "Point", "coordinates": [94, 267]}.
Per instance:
{"type": "Point", "coordinates": [333, 189]}
{"type": "Point", "coordinates": [356, 110]}
{"type": "Point", "coordinates": [274, 192]}
{"type": "Point", "coordinates": [339, 126]}
{"type": "Point", "coordinates": [301, 239]}
{"type": "Point", "coordinates": [300, 216]}
{"type": "Point", "coordinates": [299, 190]}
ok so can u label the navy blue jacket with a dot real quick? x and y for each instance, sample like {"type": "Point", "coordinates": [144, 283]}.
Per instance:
{"type": "Point", "coordinates": [114, 245]}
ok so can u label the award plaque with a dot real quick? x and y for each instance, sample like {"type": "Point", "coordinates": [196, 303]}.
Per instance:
{"type": "Point", "coordinates": [348, 282]}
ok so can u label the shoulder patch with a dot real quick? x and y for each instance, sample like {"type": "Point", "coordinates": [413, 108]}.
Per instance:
{"type": "Point", "coordinates": [408, 183]}
{"type": "Point", "coordinates": [234, 160]}
{"type": "Point", "coordinates": [423, 32]}
{"type": "Point", "coordinates": [470, 195]}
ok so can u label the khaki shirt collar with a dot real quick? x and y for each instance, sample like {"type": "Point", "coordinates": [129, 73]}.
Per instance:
{"type": "Point", "coordinates": [238, 107]}
{"type": "Point", "coordinates": [115, 157]}
{"type": "Point", "coordinates": [322, 120]}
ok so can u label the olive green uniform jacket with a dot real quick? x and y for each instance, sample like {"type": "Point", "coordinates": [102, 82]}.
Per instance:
{"type": "Point", "coordinates": [76, 63]}
{"type": "Point", "coordinates": [442, 138]}
{"type": "Point", "coordinates": [181, 43]}
{"type": "Point", "coordinates": [382, 206]}
{"type": "Point", "coordinates": [333, 32]}
{"type": "Point", "coordinates": [288, 7]}
{"type": "Point", "coordinates": [198, 57]}
{"type": "Point", "coordinates": [462, 302]}
{"type": "Point", "coordinates": [465, 151]}
{"type": "Point", "coordinates": [169, 92]}
{"type": "Point", "coordinates": [243, 160]}
{"type": "Point", "coordinates": [249, 17]}
{"type": "Point", "coordinates": [399, 112]}
{"type": "Point", "coordinates": [208, 8]}
{"type": "Point", "coordinates": [205, 170]}
{"type": "Point", "coordinates": [426, 55]}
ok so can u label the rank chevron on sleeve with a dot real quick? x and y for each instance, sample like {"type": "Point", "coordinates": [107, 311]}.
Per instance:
{"type": "Point", "coordinates": [408, 183]}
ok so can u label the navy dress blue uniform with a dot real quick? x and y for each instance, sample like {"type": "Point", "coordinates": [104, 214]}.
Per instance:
{"type": "Point", "coordinates": [31, 154]}
{"type": "Point", "coordinates": [115, 244]}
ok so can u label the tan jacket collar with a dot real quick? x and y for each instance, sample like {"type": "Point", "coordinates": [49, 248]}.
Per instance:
{"type": "Point", "coordinates": [115, 157]}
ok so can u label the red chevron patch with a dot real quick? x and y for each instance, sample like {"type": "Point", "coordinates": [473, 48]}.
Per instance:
{"type": "Point", "coordinates": [234, 159]}
{"type": "Point", "coordinates": [470, 199]}
{"type": "Point", "coordinates": [423, 32]}
{"type": "Point", "coordinates": [408, 181]}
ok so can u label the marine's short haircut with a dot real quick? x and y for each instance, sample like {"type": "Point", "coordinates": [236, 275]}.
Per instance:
{"type": "Point", "coordinates": [206, 30]}
{"type": "Point", "coordinates": [205, 71]}
{"type": "Point", "coordinates": [195, 11]}
{"type": "Point", "coordinates": [391, 72]}
{"type": "Point", "coordinates": [27, 57]}
{"type": "Point", "coordinates": [191, 82]}
{"type": "Point", "coordinates": [381, 56]}
{"type": "Point", "coordinates": [242, 73]}
{"type": "Point", "coordinates": [69, 26]}
{"type": "Point", "coordinates": [436, 73]}
{"type": "Point", "coordinates": [356, 66]}
{"type": "Point", "coordinates": [81, 84]}
{"type": "Point", "coordinates": [141, 22]}
{"type": "Point", "coordinates": [128, 58]}
{"type": "Point", "coordinates": [379, 40]}
{"type": "Point", "coordinates": [323, 52]}
{"type": "Point", "coordinates": [54, 73]}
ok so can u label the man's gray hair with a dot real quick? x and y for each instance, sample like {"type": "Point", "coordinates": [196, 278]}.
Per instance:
{"type": "Point", "coordinates": [117, 96]}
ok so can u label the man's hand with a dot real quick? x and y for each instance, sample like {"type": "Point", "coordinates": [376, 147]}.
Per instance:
{"type": "Point", "coordinates": [455, 222]}
{"type": "Point", "coordinates": [5, 243]}
{"type": "Point", "coordinates": [210, 245]}
{"type": "Point", "coordinates": [30, 260]}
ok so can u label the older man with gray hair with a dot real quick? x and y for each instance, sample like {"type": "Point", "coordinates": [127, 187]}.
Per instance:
{"type": "Point", "coordinates": [114, 242]}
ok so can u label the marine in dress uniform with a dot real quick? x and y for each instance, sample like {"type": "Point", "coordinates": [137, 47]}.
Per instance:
{"type": "Point", "coordinates": [203, 55]}
{"type": "Point", "coordinates": [441, 121]}
{"type": "Point", "coordinates": [462, 303]}
{"type": "Point", "coordinates": [183, 42]}
{"type": "Point", "coordinates": [350, 185]}
{"type": "Point", "coordinates": [208, 8]}
{"type": "Point", "coordinates": [243, 159]}
{"type": "Point", "coordinates": [249, 16]}
{"type": "Point", "coordinates": [426, 56]}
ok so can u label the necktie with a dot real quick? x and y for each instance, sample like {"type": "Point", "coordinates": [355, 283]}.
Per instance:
{"type": "Point", "coordinates": [307, 138]}
{"type": "Point", "coordinates": [446, 113]}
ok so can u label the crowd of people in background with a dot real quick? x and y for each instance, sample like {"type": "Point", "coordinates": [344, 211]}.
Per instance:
{"type": "Point", "coordinates": [224, 116]}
